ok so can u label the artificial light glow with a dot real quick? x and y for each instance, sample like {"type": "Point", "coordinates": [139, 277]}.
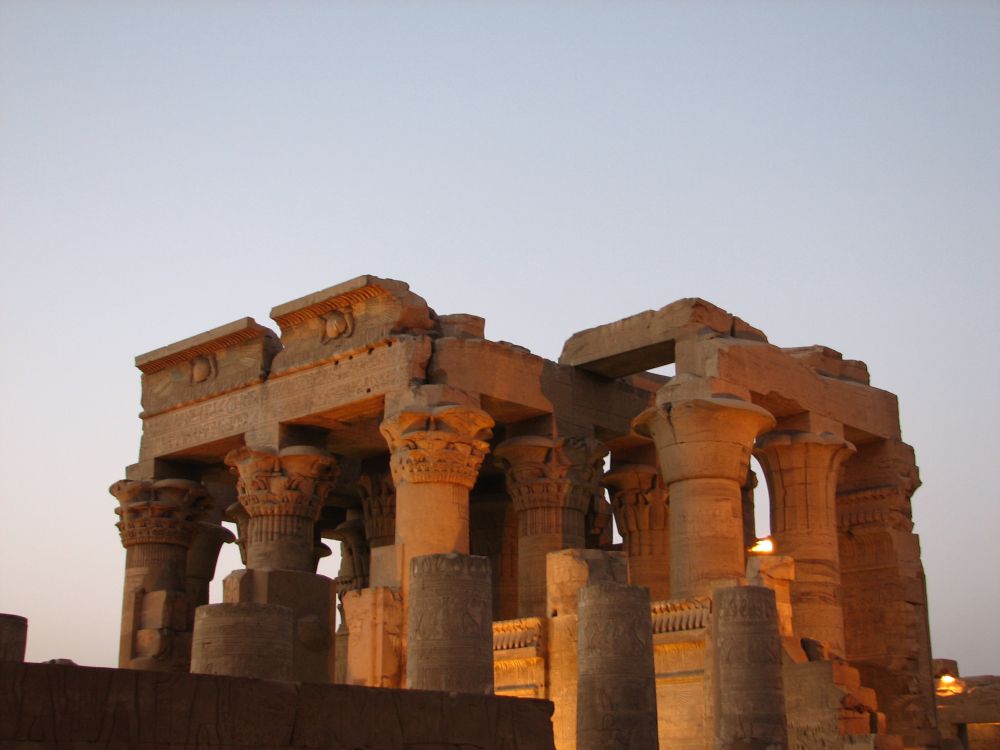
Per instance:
{"type": "Point", "coordinates": [947, 679]}
{"type": "Point", "coordinates": [763, 546]}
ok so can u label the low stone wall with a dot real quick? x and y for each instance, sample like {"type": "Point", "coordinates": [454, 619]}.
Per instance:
{"type": "Point", "coordinates": [49, 706]}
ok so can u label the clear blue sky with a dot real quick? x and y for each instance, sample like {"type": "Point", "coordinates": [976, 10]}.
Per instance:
{"type": "Point", "coordinates": [828, 171]}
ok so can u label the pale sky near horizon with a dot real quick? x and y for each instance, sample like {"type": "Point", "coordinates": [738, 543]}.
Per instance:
{"type": "Point", "coordinates": [828, 171]}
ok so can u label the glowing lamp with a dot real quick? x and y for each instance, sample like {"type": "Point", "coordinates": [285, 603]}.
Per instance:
{"type": "Point", "coordinates": [763, 546]}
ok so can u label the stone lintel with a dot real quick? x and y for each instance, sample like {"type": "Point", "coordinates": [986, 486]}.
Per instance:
{"type": "Point", "coordinates": [648, 340]}
{"type": "Point", "coordinates": [223, 337]}
{"type": "Point", "coordinates": [516, 385]}
{"type": "Point", "coordinates": [350, 318]}
{"type": "Point", "coordinates": [317, 304]}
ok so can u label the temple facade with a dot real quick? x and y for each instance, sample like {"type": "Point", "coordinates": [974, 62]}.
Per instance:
{"type": "Point", "coordinates": [473, 488]}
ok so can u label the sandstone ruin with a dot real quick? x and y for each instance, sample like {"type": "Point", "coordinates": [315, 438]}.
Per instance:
{"type": "Point", "coordinates": [471, 486]}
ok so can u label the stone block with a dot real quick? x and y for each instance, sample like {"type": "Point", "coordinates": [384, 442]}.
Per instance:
{"type": "Point", "coordinates": [375, 635]}
{"type": "Point", "coordinates": [223, 359]}
{"type": "Point", "coordinates": [13, 637]}
{"type": "Point", "coordinates": [164, 609]}
{"type": "Point", "coordinates": [569, 570]}
{"type": "Point", "coordinates": [313, 601]}
{"type": "Point", "coordinates": [353, 316]}
{"type": "Point", "coordinates": [243, 640]}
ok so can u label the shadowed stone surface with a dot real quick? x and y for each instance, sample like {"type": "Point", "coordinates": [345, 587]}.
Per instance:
{"type": "Point", "coordinates": [45, 706]}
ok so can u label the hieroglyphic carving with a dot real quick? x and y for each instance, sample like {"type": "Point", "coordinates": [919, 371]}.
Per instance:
{"type": "Point", "coordinates": [450, 624]}
{"type": "Point", "coordinates": [444, 443]}
{"type": "Point", "coordinates": [513, 634]}
{"type": "Point", "coordinates": [750, 701]}
{"type": "Point", "coordinates": [616, 691]}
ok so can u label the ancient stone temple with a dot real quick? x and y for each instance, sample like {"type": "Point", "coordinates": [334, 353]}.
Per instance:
{"type": "Point", "coordinates": [474, 489]}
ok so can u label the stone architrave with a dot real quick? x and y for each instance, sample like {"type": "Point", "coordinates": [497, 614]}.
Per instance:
{"type": "Point", "coordinates": [245, 639]}
{"type": "Point", "coordinates": [801, 470]}
{"type": "Point", "coordinates": [450, 628]}
{"type": "Point", "coordinates": [616, 691]}
{"type": "Point", "coordinates": [553, 482]}
{"type": "Point", "coordinates": [13, 637]}
{"type": "Point", "coordinates": [158, 522]}
{"type": "Point", "coordinates": [703, 444]}
{"type": "Point", "coordinates": [749, 696]}
{"type": "Point", "coordinates": [283, 493]}
{"type": "Point", "coordinates": [640, 503]}
{"type": "Point", "coordinates": [437, 447]}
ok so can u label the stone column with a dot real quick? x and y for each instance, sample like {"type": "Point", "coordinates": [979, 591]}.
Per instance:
{"type": "Point", "coordinates": [749, 695]}
{"type": "Point", "coordinates": [703, 444]}
{"type": "Point", "coordinates": [378, 506]}
{"type": "Point", "coordinates": [283, 494]}
{"type": "Point", "coordinates": [640, 503]}
{"type": "Point", "coordinates": [157, 525]}
{"type": "Point", "coordinates": [13, 637]}
{"type": "Point", "coordinates": [437, 449]}
{"type": "Point", "coordinates": [450, 631]}
{"type": "Point", "coordinates": [567, 572]}
{"type": "Point", "coordinates": [801, 470]}
{"type": "Point", "coordinates": [246, 639]}
{"type": "Point", "coordinates": [553, 482]}
{"type": "Point", "coordinates": [202, 558]}
{"type": "Point", "coordinates": [616, 693]}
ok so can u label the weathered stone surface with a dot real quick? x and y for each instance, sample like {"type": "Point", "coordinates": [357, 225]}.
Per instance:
{"type": "Point", "coordinates": [801, 469]}
{"type": "Point", "coordinates": [224, 359]}
{"type": "Point", "coordinates": [283, 493]}
{"type": "Point", "coordinates": [45, 706]}
{"type": "Point", "coordinates": [553, 483]}
{"type": "Point", "coordinates": [13, 637]}
{"type": "Point", "coordinates": [313, 601]}
{"type": "Point", "coordinates": [704, 450]}
{"type": "Point", "coordinates": [244, 639]}
{"type": "Point", "coordinates": [567, 573]}
{"type": "Point", "coordinates": [616, 692]}
{"type": "Point", "coordinates": [749, 704]}
{"type": "Point", "coordinates": [375, 637]}
{"type": "Point", "coordinates": [640, 502]}
{"type": "Point", "coordinates": [449, 630]}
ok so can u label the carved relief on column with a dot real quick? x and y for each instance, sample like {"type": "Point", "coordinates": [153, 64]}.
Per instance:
{"type": "Point", "coordinates": [283, 494]}
{"type": "Point", "coordinates": [450, 631]}
{"type": "Point", "coordinates": [441, 444]}
{"type": "Point", "coordinates": [640, 503]}
{"type": "Point", "coordinates": [801, 470]}
{"type": "Point", "coordinates": [703, 445]}
{"type": "Point", "coordinates": [157, 525]}
{"type": "Point", "coordinates": [553, 483]}
{"type": "Point", "coordinates": [378, 503]}
{"type": "Point", "coordinates": [749, 686]}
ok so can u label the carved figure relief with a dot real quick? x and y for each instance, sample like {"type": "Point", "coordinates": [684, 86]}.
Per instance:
{"type": "Point", "coordinates": [203, 368]}
{"type": "Point", "coordinates": [338, 324]}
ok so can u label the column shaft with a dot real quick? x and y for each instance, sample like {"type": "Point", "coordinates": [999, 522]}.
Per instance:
{"type": "Point", "coordinates": [801, 470]}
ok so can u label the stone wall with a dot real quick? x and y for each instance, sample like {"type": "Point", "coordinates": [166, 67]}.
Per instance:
{"type": "Point", "coordinates": [49, 706]}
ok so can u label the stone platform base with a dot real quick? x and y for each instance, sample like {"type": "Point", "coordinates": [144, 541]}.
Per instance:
{"type": "Point", "coordinates": [84, 708]}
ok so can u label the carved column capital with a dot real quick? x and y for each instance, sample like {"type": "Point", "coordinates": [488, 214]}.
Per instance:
{"type": "Point", "coordinates": [294, 481]}
{"type": "Point", "coordinates": [159, 512]}
{"type": "Point", "coordinates": [441, 444]}
{"type": "Point", "coordinates": [378, 502]}
{"type": "Point", "coordinates": [547, 472]}
{"type": "Point", "coordinates": [639, 498]}
{"type": "Point", "coordinates": [708, 437]}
